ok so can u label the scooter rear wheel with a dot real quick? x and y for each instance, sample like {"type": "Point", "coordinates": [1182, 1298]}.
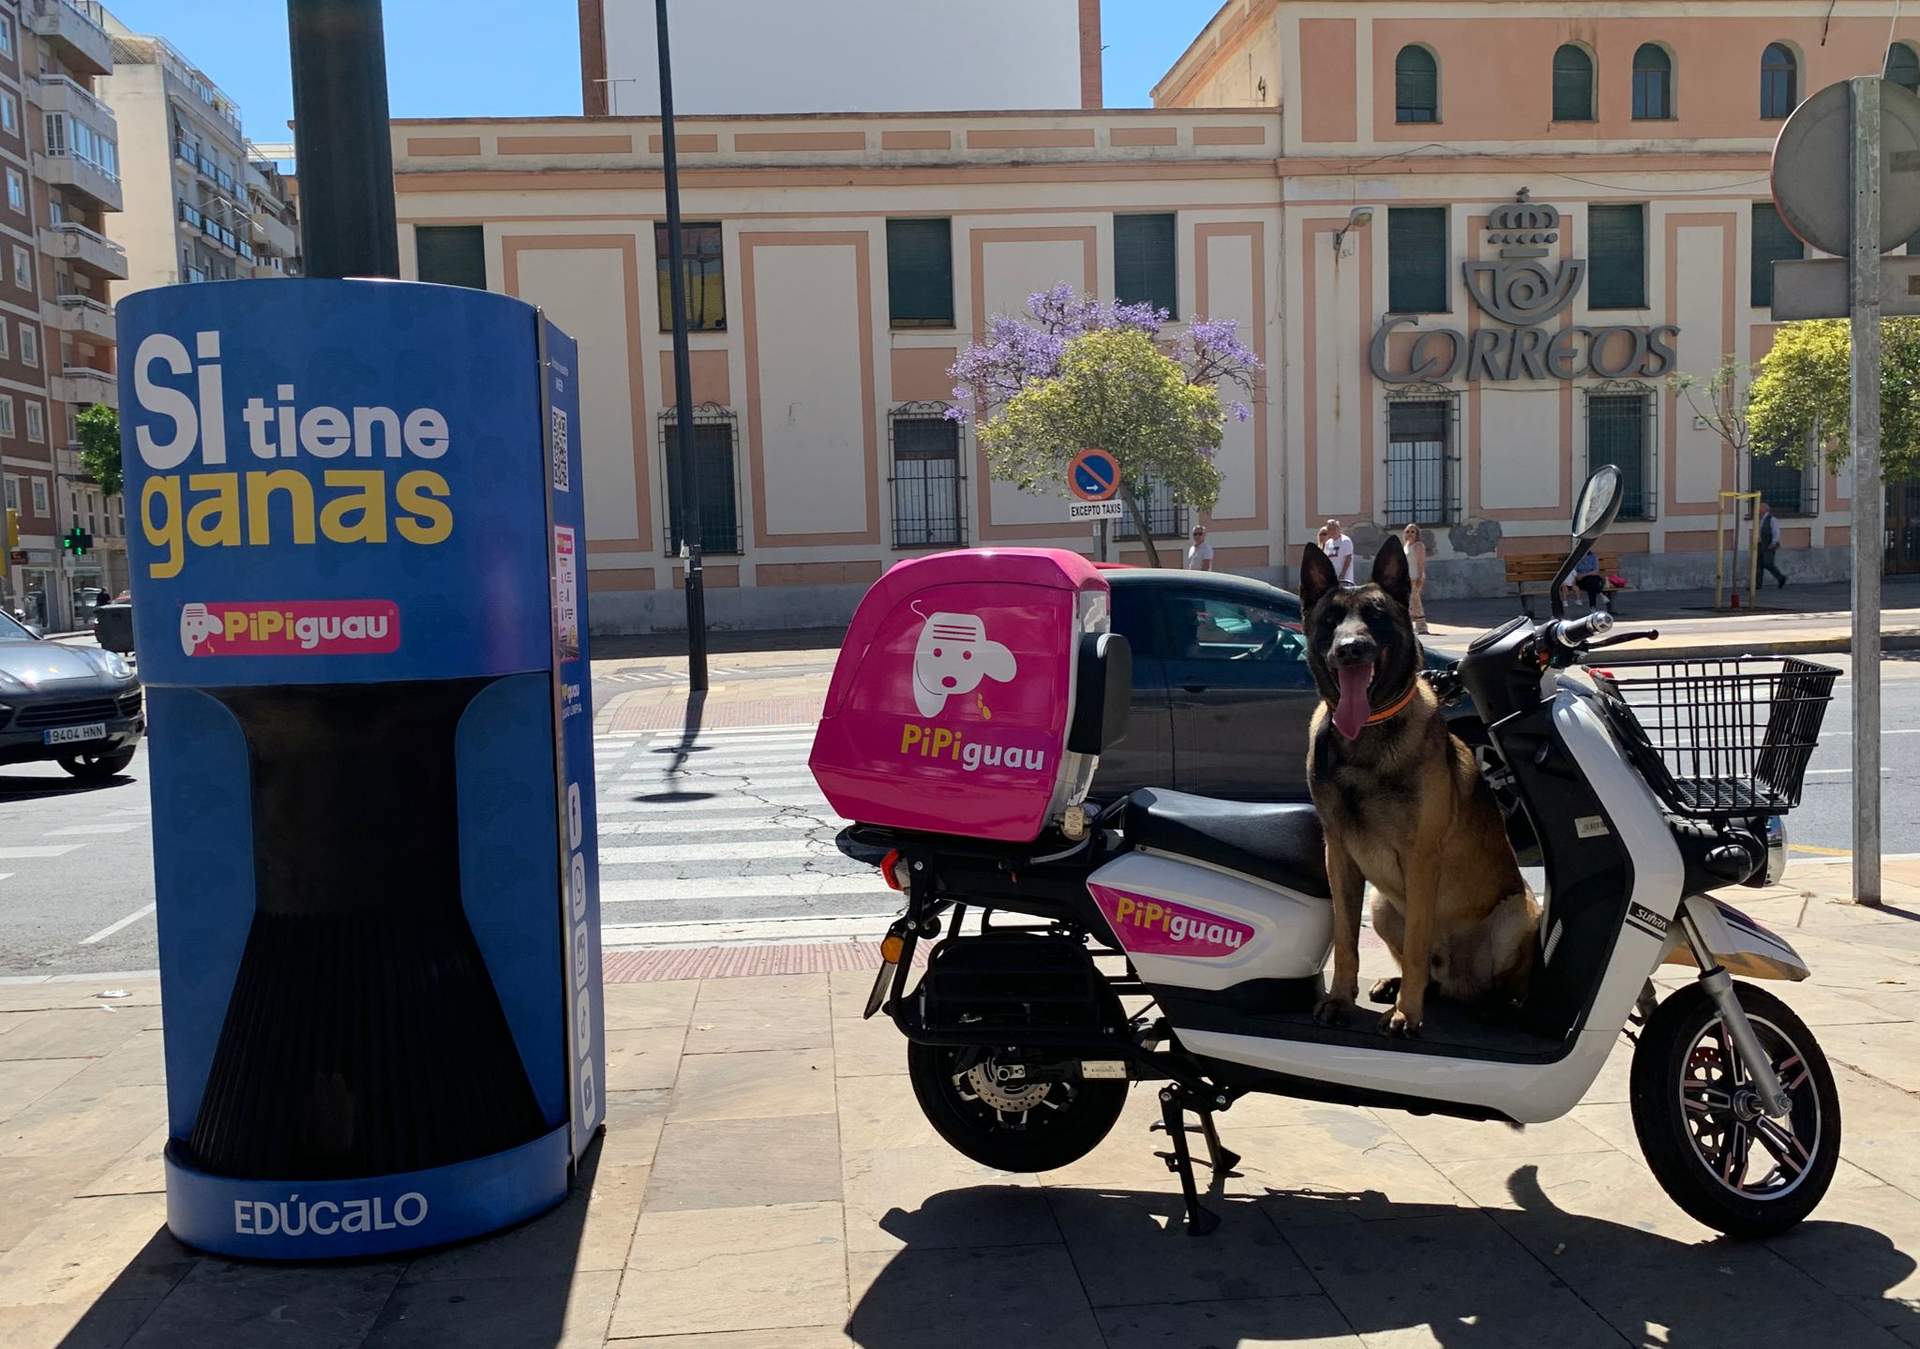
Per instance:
{"type": "Point", "coordinates": [1708, 1143]}
{"type": "Point", "coordinates": [1009, 1126]}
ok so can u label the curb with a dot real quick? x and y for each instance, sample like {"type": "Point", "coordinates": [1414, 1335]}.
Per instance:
{"type": "Point", "coordinates": [1793, 646]}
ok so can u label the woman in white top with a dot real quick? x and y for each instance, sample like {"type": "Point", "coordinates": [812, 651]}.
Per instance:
{"type": "Point", "coordinates": [1416, 572]}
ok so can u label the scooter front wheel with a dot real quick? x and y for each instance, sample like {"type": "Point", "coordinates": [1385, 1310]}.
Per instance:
{"type": "Point", "coordinates": [1007, 1123]}
{"type": "Point", "coordinates": [1714, 1150]}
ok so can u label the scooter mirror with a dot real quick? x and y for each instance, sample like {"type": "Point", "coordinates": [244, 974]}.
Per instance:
{"type": "Point", "coordinates": [1599, 502]}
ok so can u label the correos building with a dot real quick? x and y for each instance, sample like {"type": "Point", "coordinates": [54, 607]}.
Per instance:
{"type": "Point", "coordinates": [1470, 241]}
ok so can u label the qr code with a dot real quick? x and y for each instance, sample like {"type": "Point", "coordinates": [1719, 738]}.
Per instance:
{"type": "Point", "coordinates": [562, 456]}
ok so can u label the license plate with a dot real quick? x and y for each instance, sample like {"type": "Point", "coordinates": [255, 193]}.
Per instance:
{"type": "Point", "coordinates": [69, 735]}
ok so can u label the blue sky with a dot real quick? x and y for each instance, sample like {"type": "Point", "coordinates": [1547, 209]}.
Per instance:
{"type": "Point", "coordinates": [505, 58]}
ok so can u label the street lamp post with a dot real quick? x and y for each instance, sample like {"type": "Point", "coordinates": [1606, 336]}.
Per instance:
{"type": "Point", "coordinates": [341, 138]}
{"type": "Point", "coordinates": [690, 518]}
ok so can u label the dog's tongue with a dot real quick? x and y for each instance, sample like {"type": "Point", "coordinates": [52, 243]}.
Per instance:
{"type": "Point", "coordinates": [1351, 714]}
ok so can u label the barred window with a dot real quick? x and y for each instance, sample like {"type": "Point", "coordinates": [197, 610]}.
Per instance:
{"type": "Point", "coordinates": [1143, 261]}
{"type": "Point", "coordinates": [1166, 517]}
{"type": "Point", "coordinates": [715, 437]}
{"type": "Point", "coordinates": [1620, 432]}
{"type": "Point", "coordinates": [1772, 242]}
{"type": "Point", "coordinates": [451, 255]}
{"type": "Point", "coordinates": [1786, 489]}
{"type": "Point", "coordinates": [928, 484]}
{"type": "Point", "coordinates": [1422, 461]}
{"type": "Point", "coordinates": [920, 273]}
{"type": "Point", "coordinates": [1617, 256]}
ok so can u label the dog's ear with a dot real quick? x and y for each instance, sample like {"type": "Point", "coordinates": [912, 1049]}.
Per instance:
{"type": "Point", "coordinates": [1317, 577]}
{"type": "Point", "coordinates": [1390, 571]}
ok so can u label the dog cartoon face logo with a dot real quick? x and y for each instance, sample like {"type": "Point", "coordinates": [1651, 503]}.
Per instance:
{"type": "Point", "coordinates": [196, 626]}
{"type": "Point", "coordinates": [953, 656]}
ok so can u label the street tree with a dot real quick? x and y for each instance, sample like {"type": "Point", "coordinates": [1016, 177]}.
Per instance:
{"type": "Point", "coordinates": [1116, 390]}
{"type": "Point", "coordinates": [1020, 352]}
{"type": "Point", "coordinates": [100, 447]}
{"type": "Point", "coordinates": [1800, 394]}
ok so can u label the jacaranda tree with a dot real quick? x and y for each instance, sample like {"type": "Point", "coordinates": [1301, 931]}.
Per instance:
{"type": "Point", "coordinates": [1075, 373]}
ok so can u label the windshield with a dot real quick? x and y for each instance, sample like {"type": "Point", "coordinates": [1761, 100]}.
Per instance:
{"type": "Point", "coordinates": [11, 630]}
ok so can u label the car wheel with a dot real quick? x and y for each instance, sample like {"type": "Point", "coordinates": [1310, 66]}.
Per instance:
{"type": "Point", "coordinates": [97, 767]}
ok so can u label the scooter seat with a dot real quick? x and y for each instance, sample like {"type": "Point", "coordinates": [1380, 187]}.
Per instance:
{"type": "Point", "coordinates": [1277, 843]}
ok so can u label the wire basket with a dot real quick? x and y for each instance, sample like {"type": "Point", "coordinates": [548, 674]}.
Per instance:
{"type": "Point", "coordinates": [1719, 738]}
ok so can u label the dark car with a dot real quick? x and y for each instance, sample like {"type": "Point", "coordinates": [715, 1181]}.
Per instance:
{"type": "Point", "coordinates": [76, 705]}
{"type": "Point", "coordinates": [1221, 690]}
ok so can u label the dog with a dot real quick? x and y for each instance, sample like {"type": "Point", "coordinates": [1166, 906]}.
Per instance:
{"type": "Point", "coordinates": [1404, 806]}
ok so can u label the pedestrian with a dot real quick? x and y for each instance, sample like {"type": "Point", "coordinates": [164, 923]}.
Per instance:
{"type": "Point", "coordinates": [1587, 580]}
{"type": "Point", "coordinates": [1339, 550]}
{"type": "Point", "coordinates": [1417, 573]}
{"type": "Point", "coordinates": [1200, 554]}
{"type": "Point", "coordinates": [1769, 547]}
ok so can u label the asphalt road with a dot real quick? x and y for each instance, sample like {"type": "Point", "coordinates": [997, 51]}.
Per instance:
{"type": "Point", "coordinates": [726, 838]}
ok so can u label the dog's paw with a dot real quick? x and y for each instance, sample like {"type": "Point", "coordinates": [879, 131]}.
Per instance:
{"type": "Point", "coordinates": [1332, 1010]}
{"type": "Point", "coordinates": [1397, 1023]}
{"type": "Point", "coordinates": [1386, 992]}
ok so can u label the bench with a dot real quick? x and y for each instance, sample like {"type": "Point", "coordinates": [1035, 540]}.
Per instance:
{"type": "Point", "coordinates": [1538, 570]}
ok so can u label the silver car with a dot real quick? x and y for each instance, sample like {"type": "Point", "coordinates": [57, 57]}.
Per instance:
{"type": "Point", "coordinates": [78, 706]}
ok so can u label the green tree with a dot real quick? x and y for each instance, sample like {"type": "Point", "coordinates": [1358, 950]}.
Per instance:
{"type": "Point", "coordinates": [100, 447]}
{"type": "Point", "coordinates": [1800, 396]}
{"type": "Point", "coordinates": [1115, 390]}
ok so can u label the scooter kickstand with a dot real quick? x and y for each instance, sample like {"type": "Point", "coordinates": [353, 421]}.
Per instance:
{"type": "Point", "coordinates": [1220, 1157]}
{"type": "Point", "coordinates": [1200, 1221]}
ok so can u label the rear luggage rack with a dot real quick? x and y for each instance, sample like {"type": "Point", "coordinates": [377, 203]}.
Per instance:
{"type": "Point", "coordinates": [1719, 739]}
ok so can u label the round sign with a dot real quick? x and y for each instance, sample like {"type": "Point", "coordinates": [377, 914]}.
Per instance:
{"type": "Point", "coordinates": [1812, 184]}
{"type": "Point", "coordinates": [1094, 475]}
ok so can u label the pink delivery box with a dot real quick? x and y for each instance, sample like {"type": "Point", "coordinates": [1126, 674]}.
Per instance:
{"type": "Point", "coordinates": [954, 690]}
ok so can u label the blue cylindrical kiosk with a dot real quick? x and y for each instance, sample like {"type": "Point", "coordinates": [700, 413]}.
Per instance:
{"type": "Point", "coordinates": [358, 554]}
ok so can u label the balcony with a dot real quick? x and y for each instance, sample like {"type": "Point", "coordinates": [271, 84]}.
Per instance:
{"type": "Point", "coordinates": [84, 386]}
{"type": "Point", "coordinates": [273, 236]}
{"type": "Point", "coordinates": [76, 30]}
{"type": "Point", "coordinates": [57, 93]}
{"type": "Point", "coordinates": [91, 252]}
{"type": "Point", "coordinates": [80, 315]}
{"type": "Point", "coordinates": [90, 180]}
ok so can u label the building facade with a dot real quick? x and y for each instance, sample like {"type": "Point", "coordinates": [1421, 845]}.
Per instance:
{"type": "Point", "coordinates": [776, 56]}
{"type": "Point", "coordinates": [59, 144]}
{"type": "Point", "coordinates": [1472, 242]}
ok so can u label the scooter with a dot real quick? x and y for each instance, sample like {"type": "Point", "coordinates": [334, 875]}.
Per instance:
{"type": "Point", "coordinates": [1178, 940]}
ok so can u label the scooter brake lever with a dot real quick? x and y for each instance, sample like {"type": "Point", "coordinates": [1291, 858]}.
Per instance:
{"type": "Point", "coordinates": [1637, 635]}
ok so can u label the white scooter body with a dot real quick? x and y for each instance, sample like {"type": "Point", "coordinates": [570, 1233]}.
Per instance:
{"type": "Point", "coordinates": [1283, 934]}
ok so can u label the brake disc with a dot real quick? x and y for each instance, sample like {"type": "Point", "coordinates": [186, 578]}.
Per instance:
{"type": "Point", "coordinates": [1009, 1097]}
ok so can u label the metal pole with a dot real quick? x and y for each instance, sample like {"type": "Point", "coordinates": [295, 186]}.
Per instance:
{"type": "Point", "coordinates": [341, 139]}
{"type": "Point", "coordinates": [1869, 531]}
{"type": "Point", "coordinates": [682, 378]}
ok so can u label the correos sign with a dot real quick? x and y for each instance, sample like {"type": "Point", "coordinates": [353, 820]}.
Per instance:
{"type": "Point", "coordinates": [1521, 290]}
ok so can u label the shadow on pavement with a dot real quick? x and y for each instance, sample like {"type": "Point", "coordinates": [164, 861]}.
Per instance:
{"type": "Point", "coordinates": [512, 1288]}
{"type": "Point", "coordinates": [1329, 1267]}
{"type": "Point", "coordinates": [720, 642]}
{"type": "Point", "coordinates": [25, 787]}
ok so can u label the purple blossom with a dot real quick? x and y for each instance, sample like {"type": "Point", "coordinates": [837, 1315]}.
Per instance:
{"type": "Point", "coordinates": [1018, 350]}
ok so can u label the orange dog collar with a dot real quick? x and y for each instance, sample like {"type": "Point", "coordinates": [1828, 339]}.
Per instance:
{"type": "Point", "coordinates": [1396, 707]}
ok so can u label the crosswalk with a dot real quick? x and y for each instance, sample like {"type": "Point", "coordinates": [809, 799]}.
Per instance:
{"type": "Point", "coordinates": [723, 836]}
{"type": "Point", "coordinates": [659, 675]}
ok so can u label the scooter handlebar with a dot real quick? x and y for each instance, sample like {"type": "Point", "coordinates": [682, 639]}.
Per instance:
{"type": "Point", "coordinates": [1574, 634]}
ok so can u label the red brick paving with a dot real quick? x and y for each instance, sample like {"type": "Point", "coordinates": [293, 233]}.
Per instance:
{"type": "Point", "coordinates": [734, 962]}
{"type": "Point", "coordinates": [671, 714]}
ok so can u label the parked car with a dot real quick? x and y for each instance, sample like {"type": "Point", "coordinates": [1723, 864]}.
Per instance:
{"type": "Point", "coordinates": [78, 706]}
{"type": "Point", "coordinates": [1221, 691]}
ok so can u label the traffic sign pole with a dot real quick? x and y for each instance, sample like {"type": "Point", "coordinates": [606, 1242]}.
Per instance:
{"type": "Point", "coordinates": [1869, 530]}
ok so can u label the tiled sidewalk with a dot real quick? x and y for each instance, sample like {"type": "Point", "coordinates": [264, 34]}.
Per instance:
{"type": "Point", "coordinates": [767, 1182]}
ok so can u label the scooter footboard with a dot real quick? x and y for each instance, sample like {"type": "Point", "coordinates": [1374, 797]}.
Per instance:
{"type": "Point", "coordinates": [1740, 944]}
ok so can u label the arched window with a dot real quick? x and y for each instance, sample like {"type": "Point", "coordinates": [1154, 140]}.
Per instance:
{"type": "Point", "coordinates": [1572, 84]}
{"type": "Point", "coordinates": [1652, 83]}
{"type": "Point", "coordinates": [1903, 66]}
{"type": "Point", "coordinates": [1416, 86]}
{"type": "Point", "coordinates": [1779, 81]}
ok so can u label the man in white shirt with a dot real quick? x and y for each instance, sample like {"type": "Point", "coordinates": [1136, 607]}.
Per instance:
{"type": "Point", "coordinates": [1339, 551]}
{"type": "Point", "coordinates": [1200, 555]}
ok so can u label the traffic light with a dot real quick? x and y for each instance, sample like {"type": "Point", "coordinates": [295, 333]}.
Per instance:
{"type": "Point", "coordinates": [77, 541]}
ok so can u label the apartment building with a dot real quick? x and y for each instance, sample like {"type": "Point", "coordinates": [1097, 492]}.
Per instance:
{"type": "Point", "coordinates": [60, 159]}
